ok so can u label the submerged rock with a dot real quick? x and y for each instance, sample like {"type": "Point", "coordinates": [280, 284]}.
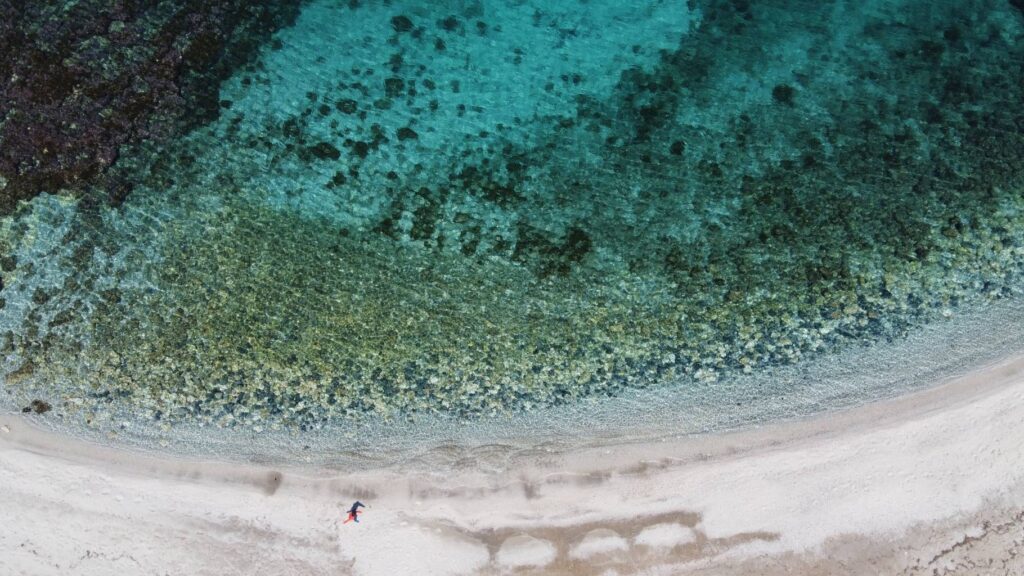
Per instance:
{"type": "Point", "coordinates": [401, 23]}
{"type": "Point", "coordinates": [783, 94]}
{"type": "Point", "coordinates": [325, 151]}
{"type": "Point", "coordinates": [37, 406]}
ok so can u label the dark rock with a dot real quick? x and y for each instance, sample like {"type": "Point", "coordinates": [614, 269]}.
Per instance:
{"type": "Point", "coordinates": [80, 80]}
{"type": "Point", "coordinates": [424, 221]}
{"type": "Point", "coordinates": [550, 257]}
{"type": "Point", "coordinates": [360, 149]}
{"type": "Point", "coordinates": [932, 114]}
{"type": "Point", "coordinates": [38, 406]}
{"type": "Point", "coordinates": [783, 94]}
{"type": "Point", "coordinates": [395, 62]}
{"type": "Point", "coordinates": [401, 24]}
{"type": "Point", "coordinates": [393, 87]}
{"type": "Point", "coordinates": [40, 297]}
{"type": "Point", "coordinates": [348, 106]}
{"type": "Point", "coordinates": [677, 148]}
{"type": "Point", "coordinates": [325, 151]}
{"type": "Point", "coordinates": [290, 128]}
{"type": "Point", "coordinates": [406, 133]}
{"type": "Point", "coordinates": [577, 244]}
{"type": "Point", "coordinates": [450, 24]}
{"type": "Point", "coordinates": [931, 51]}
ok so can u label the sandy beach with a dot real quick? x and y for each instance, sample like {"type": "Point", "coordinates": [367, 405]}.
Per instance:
{"type": "Point", "coordinates": [930, 483]}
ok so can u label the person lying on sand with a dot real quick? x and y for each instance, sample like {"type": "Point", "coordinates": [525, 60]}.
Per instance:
{"type": "Point", "coordinates": [354, 512]}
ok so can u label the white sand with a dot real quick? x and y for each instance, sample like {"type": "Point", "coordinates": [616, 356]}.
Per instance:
{"type": "Point", "coordinates": [666, 535]}
{"type": "Point", "coordinates": [600, 542]}
{"type": "Point", "coordinates": [525, 550]}
{"type": "Point", "coordinates": [932, 481]}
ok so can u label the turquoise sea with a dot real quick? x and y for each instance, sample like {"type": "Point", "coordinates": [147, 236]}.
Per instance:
{"type": "Point", "coordinates": [580, 217]}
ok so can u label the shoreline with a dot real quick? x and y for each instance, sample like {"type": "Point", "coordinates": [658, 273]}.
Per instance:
{"type": "Point", "coordinates": [977, 336]}
{"type": "Point", "coordinates": [936, 467]}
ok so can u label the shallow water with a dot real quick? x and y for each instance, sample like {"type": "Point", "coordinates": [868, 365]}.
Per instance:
{"type": "Point", "coordinates": [485, 209]}
{"type": "Point", "coordinates": [938, 352]}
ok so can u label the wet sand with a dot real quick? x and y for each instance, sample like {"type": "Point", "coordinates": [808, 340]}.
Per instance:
{"type": "Point", "coordinates": [930, 483]}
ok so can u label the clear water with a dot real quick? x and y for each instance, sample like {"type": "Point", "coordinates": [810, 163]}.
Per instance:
{"type": "Point", "coordinates": [483, 210]}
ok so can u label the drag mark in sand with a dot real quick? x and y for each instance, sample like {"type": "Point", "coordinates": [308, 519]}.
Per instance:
{"type": "Point", "coordinates": [621, 545]}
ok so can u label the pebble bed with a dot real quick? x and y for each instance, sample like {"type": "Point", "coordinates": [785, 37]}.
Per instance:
{"type": "Point", "coordinates": [486, 208]}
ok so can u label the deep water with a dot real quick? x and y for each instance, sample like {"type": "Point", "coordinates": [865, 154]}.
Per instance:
{"type": "Point", "coordinates": [471, 208]}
